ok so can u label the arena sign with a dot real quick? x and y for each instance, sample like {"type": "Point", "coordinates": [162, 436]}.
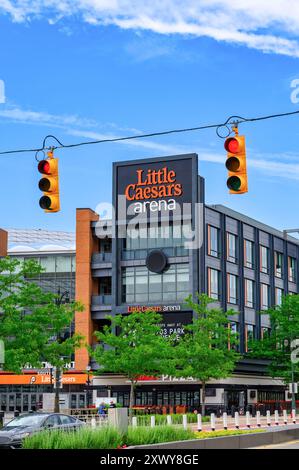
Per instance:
{"type": "Point", "coordinates": [156, 185]}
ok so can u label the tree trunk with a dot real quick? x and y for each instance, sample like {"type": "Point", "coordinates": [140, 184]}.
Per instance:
{"type": "Point", "coordinates": [132, 399]}
{"type": "Point", "coordinates": [56, 399]}
{"type": "Point", "coordinates": [203, 404]}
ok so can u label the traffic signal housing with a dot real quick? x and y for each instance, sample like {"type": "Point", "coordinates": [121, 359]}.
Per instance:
{"type": "Point", "coordinates": [49, 184]}
{"type": "Point", "coordinates": [236, 164]}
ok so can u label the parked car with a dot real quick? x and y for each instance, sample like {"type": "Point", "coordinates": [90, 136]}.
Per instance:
{"type": "Point", "coordinates": [13, 433]}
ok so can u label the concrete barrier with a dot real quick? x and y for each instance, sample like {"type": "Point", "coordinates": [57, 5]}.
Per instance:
{"type": "Point", "coordinates": [243, 441]}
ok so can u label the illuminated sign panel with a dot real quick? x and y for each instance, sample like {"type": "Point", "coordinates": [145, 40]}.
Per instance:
{"type": "Point", "coordinates": [155, 186]}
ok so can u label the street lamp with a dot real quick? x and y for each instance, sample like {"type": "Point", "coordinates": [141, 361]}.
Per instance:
{"type": "Point", "coordinates": [88, 369]}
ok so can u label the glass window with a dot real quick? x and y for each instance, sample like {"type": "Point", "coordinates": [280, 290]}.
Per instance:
{"type": "Point", "coordinates": [248, 254]}
{"type": "Point", "coordinates": [265, 332]}
{"type": "Point", "coordinates": [63, 264]}
{"type": "Point", "coordinates": [249, 336]}
{"type": "Point", "coordinates": [142, 286]}
{"type": "Point", "coordinates": [233, 328]}
{"type": "Point", "coordinates": [264, 259]}
{"type": "Point", "coordinates": [213, 241]}
{"type": "Point", "coordinates": [292, 269]}
{"type": "Point", "coordinates": [278, 257]}
{"type": "Point", "coordinates": [264, 296]}
{"type": "Point", "coordinates": [213, 283]}
{"type": "Point", "coordinates": [48, 264]}
{"type": "Point", "coordinates": [278, 296]}
{"type": "Point", "coordinates": [249, 293]}
{"type": "Point", "coordinates": [231, 248]}
{"type": "Point", "coordinates": [232, 289]}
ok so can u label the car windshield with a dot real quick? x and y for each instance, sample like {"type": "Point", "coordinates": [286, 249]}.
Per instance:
{"type": "Point", "coordinates": [27, 420]}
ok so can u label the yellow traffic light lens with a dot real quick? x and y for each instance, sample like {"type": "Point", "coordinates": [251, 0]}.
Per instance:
{"type": "Point", "coordinates": [44, 184]}
{"type": "Point", "coordinates": [234, 183]}
{"type": "Point", "coordinates": [233, 164]}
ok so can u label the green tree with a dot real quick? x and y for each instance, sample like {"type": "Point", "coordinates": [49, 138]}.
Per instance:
{"type": "Point", "coordinates": [136, 349]}
{"type": "Point", "coordinates": [32, 322]}
{"type": "Point", "coordinates": [277, 346]}
{"type": "Point", "coordinates": [203, 352]}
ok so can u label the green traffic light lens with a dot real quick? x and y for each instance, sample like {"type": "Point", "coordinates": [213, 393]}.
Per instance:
{"type": "Point", "coordinates": [45, 202]}
{"type": "Point", "coordinates": [234, 183]}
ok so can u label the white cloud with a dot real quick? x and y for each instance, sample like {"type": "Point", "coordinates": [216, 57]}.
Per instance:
{"type": "Point", "coordinates": [271, 27]}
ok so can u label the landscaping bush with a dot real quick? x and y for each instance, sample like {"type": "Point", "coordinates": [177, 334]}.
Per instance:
{"type": "Point", "coordinates": [87, 438]}
{"type": "Point", "coordinates": [223, 433]}
{"type": "Point", "coordinates": [105, 438]}
{"type": "Point", "coordinates": [147, 435]}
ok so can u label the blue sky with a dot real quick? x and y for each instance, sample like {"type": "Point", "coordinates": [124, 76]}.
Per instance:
{"type": "Point", "coordinates": [91, 68]}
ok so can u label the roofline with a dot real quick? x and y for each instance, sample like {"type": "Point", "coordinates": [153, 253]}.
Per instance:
{"type": "Point", "coordinates": [250, 221]}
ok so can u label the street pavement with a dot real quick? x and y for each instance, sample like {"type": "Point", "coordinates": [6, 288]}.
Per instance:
{"type": "Point", "coordinates": [285, 445]}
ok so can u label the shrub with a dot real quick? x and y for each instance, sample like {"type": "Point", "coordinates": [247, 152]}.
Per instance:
{"type": "Point", "coordinates": [87, 438]}
{"type": "Point", "coordinates": [222, 433]}
{"type": "Point", "coordinates": [146, 435]}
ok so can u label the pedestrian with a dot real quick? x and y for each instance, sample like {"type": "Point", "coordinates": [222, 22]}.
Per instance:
{"type": "Point", "coordinates": [102, 409]}
{"type": "Point", "coordinates": [112, 404]}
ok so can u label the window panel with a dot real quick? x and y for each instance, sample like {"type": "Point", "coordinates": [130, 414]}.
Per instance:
{"type": "Point", "coordinates": [249, 293]}
{"type": "Point", "coordinates": [232, 288]}
{"type": "Point", "coordinates": [264, 259]}
{"type": "Point", "coordinates": [213, 241]}
{"type": "Point", "coordinates": [248, 254]}
{"type": "Point", "coordinates": [231, 247]}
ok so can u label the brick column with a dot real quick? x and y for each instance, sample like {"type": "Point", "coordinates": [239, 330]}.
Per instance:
{"type": "Point", "coordinates": [3, 242]}
{"type": "Point", "coordinates": [86, 245]}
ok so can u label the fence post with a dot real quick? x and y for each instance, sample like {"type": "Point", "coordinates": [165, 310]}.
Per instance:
{"type": "Point", "coordinates": [199, 422]}
{"type": "Point", "coordinates": [212, 421]}
{"type": "Point", "coordinates": [258, 418]}
{"type": "Point", "coordinates": [237, 425]}
{"type": "Point", "coordinates": [224, 417]}
{"type": "Point", "coordinates": [93, 422]}
{"type": "Point", "coordinates": [276, 417]}
{"type": "Point", "coordinates": [153, 421]}
{"type": "Point", "coordinates": [248, 419]}
{"type": "Point", "coordinates": [185, 421]}
{"type": "Point", "coordinates": [134, 421]}
{"type": "Point", "coordinates": [285, 416]}
{"type": "Point", "coordinates": [268, 418]}
{"type": "Point", "coordinates": [294, 416]}
{"type": "Point", "coordinates": [169, 419]}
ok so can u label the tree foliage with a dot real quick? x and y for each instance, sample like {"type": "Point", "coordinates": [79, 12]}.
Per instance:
{"type": "Point", "coordinates": [203, 352]}
{"type": "Point", "coordinates": [31, 320]}
{"type": "Point", "coordinates": [284, 337]}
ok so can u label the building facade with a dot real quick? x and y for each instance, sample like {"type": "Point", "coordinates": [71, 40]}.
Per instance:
{"type": "Point", "coordinates": [143, 258]}
{"type": "Point", "coordinates": [56, 253]}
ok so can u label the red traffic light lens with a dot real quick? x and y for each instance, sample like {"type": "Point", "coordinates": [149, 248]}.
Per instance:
{"type": "Point", "coordinates": [44, 167]}
{"type": "Point", "coordinates": [232, 145]}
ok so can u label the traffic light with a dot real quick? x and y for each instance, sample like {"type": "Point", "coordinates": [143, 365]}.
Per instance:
{"type": "Point", "coordinates": [236, 164]}
{"type": "Point", "coordinates": [49, 184]}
